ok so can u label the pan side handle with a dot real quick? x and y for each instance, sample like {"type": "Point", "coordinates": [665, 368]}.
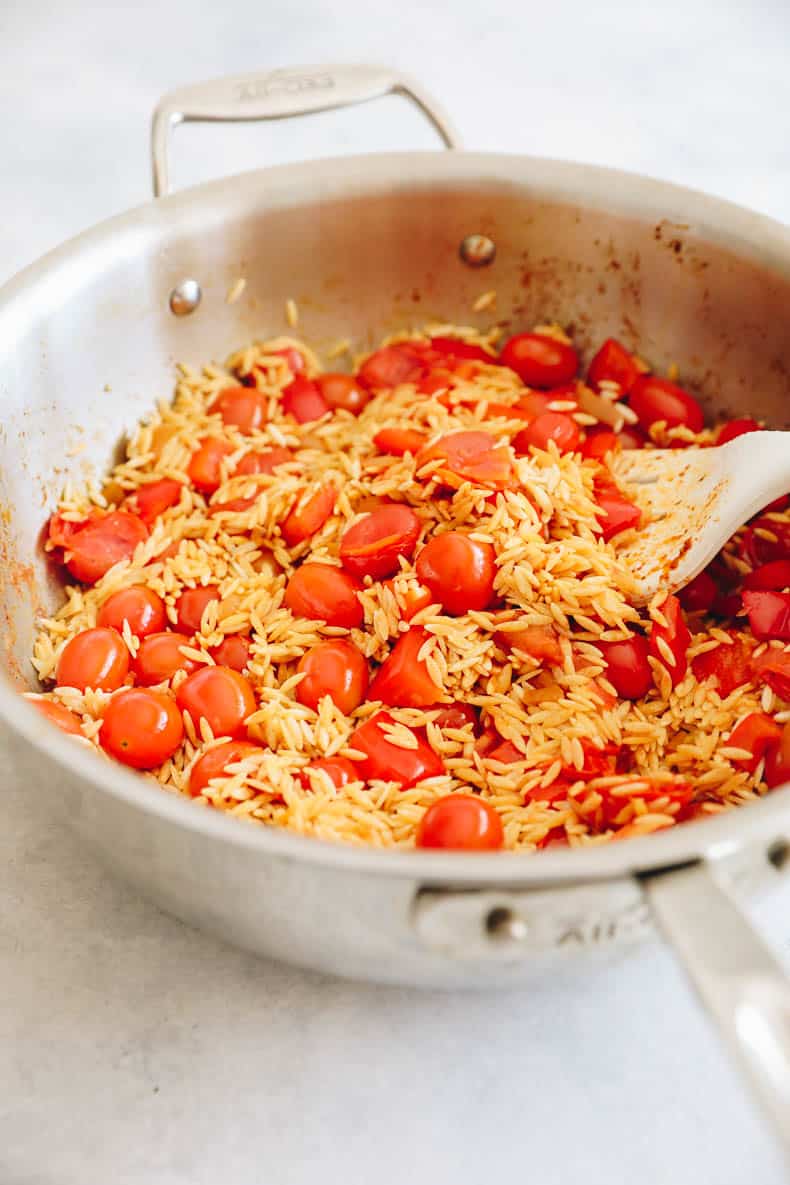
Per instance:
{"type": "Point", "coordinates": [280, 94]}
{"type": "Point", "coordinates": [741, 983]}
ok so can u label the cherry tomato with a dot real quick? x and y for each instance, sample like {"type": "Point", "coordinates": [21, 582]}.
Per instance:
{"type": "Point", "coordinates": [265, 462]}
{"type": "Point", "coordinates": [537, 641]}
{"type": "Point", "coordinates": [552, 425]}
{"type": "Point", "coordinates": [233, 651]}
{"type": "Point", "coordinates": [60, 530]}
{"type": "Point", "coordinates": [461, 822]}
{"type": "Point", "coordinates": [324, 593]}
{"type": "Point", "coordinates": [205, 464]}
{"type": "Point", "coordinates": [293, 357]}
{"type": "Point", "coordinates": [303, 400]}
{"type": "Point", "coordinates": [699, 594]}
{"type": "Point", "coordinates": [215, 762]}
{"type": "Point", "coordinates": [391, 763]}
{"type": "Point", "coordinates": [339, 770]}
{"type": "Point", "coordinates": [675, 636]}
{"type": "Point", "coordinates": [374, 544]}
{"type": "Point", "coordinates": [139, 606]}
{"type": "Point", "coordinates": [599, 442]}
{"type": "Point", "coordinates": [535, 403]}
{"type": "Point", "coordinates": [771, 577]}
{"type": "Point", "coordinates": [154, 498]}
{"type": "Point", "coordinates": [458, 571]}
{"type": "Point", "coordinates": [613, 363]}
{"type": "Point", "coordinates": [399, 441]}
{"type": "Point", "coordinates": [735, 428]}
{"type": "Point", "coordinates": [767, 539]}
{"type": "Point", "coordinates": [335, 668]}
{"type": "Point", "coordinates": [241, 407]}
{"type": "Point", "coordinates": [220, 695]}
{"type": "Point", "coordinates": [454, 347]}
{"type": "Point", "coordinates": [233, 506]}
{"type": "Point", "coordinates": [65, 720]}
{"type": "Point", "coordinates": [469, 456]}
{"type": "Point", "coordinates": [508, 411]}
{"type": "Point", "coordinates": [159, 657]}
{"type": "Point", "coordinates": [654, 399]}
{"type": "Point", "coordinates": [769, 614]}
{"type": "Point", "coordinates": [96, 658]}
{"type": "Point", "coordinates": [191, 606]}
{"type": "Point", "coordinates": [773, 667]}
{"type": "Point", "coordinates": [630, 437]}
{"type": "Point", "coordinates": [308, 515]}
{"type": "Point", "coordinates": [342, 391]}
{"type": "Point", "coordinates": [102, 542]}
{"type": "Point", "coordinates": [141, 728]}
{"type": "Point", "coordinates": [615, 512]}
{"type": "Point", "coordinates": [506, 753]}
{"type": "Point", "coordinates": [456, 716]}
{"type": "Point", "coordinates": [540, 361]}
{"type": "Point", "coordinates": [757, 732]}
{"type": "Point", "coordinates": [403, 680]}
{"type": "Point", "coordinates": [727, 663]}
{"type": "Point", "coordinates": [777, 761]}
{"type": "Point", "coordinates": [392, 365]}
{"type": "Point", "coordinates": [627, 668]}
{"type": "Point", "coordinates": [411, 601]}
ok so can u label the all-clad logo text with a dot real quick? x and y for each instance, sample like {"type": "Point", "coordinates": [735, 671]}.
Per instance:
{"type": "Point", "coordinates": [284, 84]}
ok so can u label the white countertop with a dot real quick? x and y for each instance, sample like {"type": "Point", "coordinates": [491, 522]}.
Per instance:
{"type": "Point", "coordinates": [138, 1052]}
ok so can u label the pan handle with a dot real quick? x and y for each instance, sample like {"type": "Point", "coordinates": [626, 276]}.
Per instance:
{"type": "Point", "coordinates": [743, 986]}
{"type": "Point", "coordinates": [279, 94]}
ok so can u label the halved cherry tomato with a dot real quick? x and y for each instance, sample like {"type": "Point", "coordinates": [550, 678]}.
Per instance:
{"type": "Point", "coordinates": [303, 400]}
{"type": "Point", "coordinates": [627, 668]}
{"type": "Point", "coordinates": [65, 720]}
{"type": "Point", "coordinates": [205, 464]}
{"type": "Point", "coordinates": [613, 363]}
{"type": "Point", "coordinates": [233, 651]}
{"type": "Point", "coordinates": [458, 571]}
{"type": "Point", "coordinates": [616, 513]}
{"type": "Point", "coordinates": [456, 715]}
{"type": "Point", "coordinates": [469, 456]}
{"type": "Point", "coordinates": [159, 657]}
{"type": "Point", "coordinates": [536, 641]}
{"type": "Point", "coordinates": [96, 658]}
{"type": "Point", "coordinates": [777, 761]}
{"type": "Point", "coordinates": [757, 732]}
{"type": "Point", "coordinates": [392, 365]}
{"type": "Point", "coordinates": [699, 594]}
{"type": "Point", "coordinates": [232, 506]}
{"type": "Point", "coordinates": [551, 425]}
{"type": "Point", "coordinates": [599, 442]}
{"type": "Point", "coordinates": [773, 667]}
{"type": "Point", "coordinates": [265, 462]}
{"type": "Point", "coordinates": [339, 770]}
{"type": "Point", "coordinates": [540, 361]}
{"type": "Point", "coordinates": [770, 577]}
{"type": "Point", "coordinates": [343, 391]}
{"type": "Point", "coordinates": [191, 605]}
{"type": "Point", "coordinates": [335, 668]}
{"type": "Point", "coordinates": [403, 680]}
{"type": "Point", "coordinates": [153, 498]}
{"type": "Point", "coordinates": [324, 593]}
{"type": "Point", "coordinates": [412, 600]}
{"type": "Point", "coordinates": [767, 539]}
{"type": "Point", "coordinates": [454, 347]}
{"type": "Point", "coordinates": [728, 664]}
{"type": "Point", "coordinates": [399, 441]}
{"type": "Point", "coordinates": [241, 407]}
{"type": "Point", "coordinates": [735, 428]}
{"type": "Point", "coordinates": [374, 545]}
{"type": "Point", "coordinates": [220, 695]}
{"type": "Point", "coordinates": [141, 728]}
{"type": "Point", "coordinates": [461, 822]}
{"type": "Point", "coordinates": [506, 753]}
{"type": "Point", "coordinates": [654, 399]}
{"type": "Point", "coordinates": [215, 762]}
{"type": "Point", "coordinates": [102, 542]}
{"type": "Point", "coordinates": [769, 615]}
{"type": "Point", "coordinates": [675, 635]}
{"type": "Point", "coordinates": [391, 763]}
{"type": "Point", "coordinates": [139, 606]}
{"type": "Point", "coordinates": [60, 530]}
{"type": "Point", "coordinates": [308, 515]}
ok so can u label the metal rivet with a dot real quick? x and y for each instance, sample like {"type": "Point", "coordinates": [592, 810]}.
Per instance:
{"type": "Point", "coordinates": [477, 250]}
{"type": "Point", "coordinates": [185, 298]}
{"type": "Point", "coordinates": [504, 925]}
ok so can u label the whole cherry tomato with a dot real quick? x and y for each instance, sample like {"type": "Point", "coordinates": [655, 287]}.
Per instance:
{"type": "Point", "coordinates": [461, 822]}
{"type": "Point", "coordinates": [324, 593]}
{"type": "Point", "coordinates": [551, 425]}
{"type": "Point", "coordinates": [458, 571]}
{"type": "Point", "coordinates": [139, 606]}
{"type": "Point", "coordinates": [540, 361]}
{"type": "Point", "coordinates": [336, 668]}
{"type": "Point", "coordinates": [191, 605]}
{"type": "Point", "coordinates": [241, 407]}
{"type": "Point", "coordinates": [65, 720]}
{"type": "Point", "coordinates": [221, 696]}
{"type": "Point", "coordinates": [141, 728]}
{"type": "Point", "coordinates": [159, 657]}
{"type": "Point", "coordinates": [343, 392]}
{"type": "Point", "coordinates": [627, 668]}
{"type": "Point", "coordinates": [96, 658]}
{"type": "Point", "coordinates": [654, 399]}
{"type": "Point", "coordinates": [214, 763]}
{"type": "Point", "coordinates": [205, 464]}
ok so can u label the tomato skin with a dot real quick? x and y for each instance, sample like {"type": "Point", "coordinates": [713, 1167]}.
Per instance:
{"type": "Point", "coordinates": [389, 762]}
{"type": "Point", "coordinates": [65, 720]}
{"type": "Point", "coordinates": [760, 550]}
{"type": "Point", "coordinates": [771, 577]}
{"type": "Point", "coordinates": [324, 593]}
{"type": "Point", "coordinates": [777, 761]}
{"type": "Point", "coordinates": [773, 668]}
{"type": "Point", "coordinates": [102, 542]}
{"type": "Point", "coordinates": [598, 443]}
{"type": "Point", "coordinates": [402, 680]}
{"type": "Point", "coordinates": [221, 695]}
{"type": "Point", "coordinates": [373, 545]}
{"type": "Point", "coordinates": [461, 822]}
{"type": "Point", "coordinates": [241, 407]}
{"type": "Point", "coordinates": [412, 601]}
{"type": "Point", "coordinates": [456, 715]}
{"type": "Point", "coordinates": [214, 763]}
{"type": "Point", "coordinates": [699, 594]}
{"type": "Point", "coordinates": [551, 425]}
{"type": "Point", "coordinates": [233, 651]}
{"type": "Point", "coordinates": [627, 668]}
{"type": "Point", "coordinates": [141, 728]}
{"type": "Point", "coordinates": [654, 399]}
{"type": "Point", "coordinates": [191, 605]}
{"type": "Point", "coordinates": [205, 464]}
{"type": "Point", "coordinates": [728, 664]}
{"type": "Point", "coordinates": [757, 732]}
{"type": "Point", "coordinates": [139, 606]}
{"type": "Point", "coordinates": [469, 456]}
{"type": "Point", "coordinates": [96, 658]}
{"type": "Point", "coordinates": [399, 441]}
{"type": "Point", "coordinates": [159, 657]}
{"type": "Point", "coordinates": [630, 437]}
{"type": "Point", "coordinates": [616, 513]}
{"type": "Point", "coordinates": [454, 347]}
{"type": "Point", "coordinates": [540, 361]}
{"type": "Point", "coordinates": [342, 391]}
{"type": "Point", "coordinates": [339, 770]}
{"type": "Point", "coordinates": [735, 428]}
{"type": "Point", "coordinates": [308, 515]}
{"type": "Point", "coordinates": [390, 366]}
{"type": "Point", "coordinates": [303, 400]}
{"type": "Point", "coordinates": [537, 641]}
{"type": "Point", "coordinates": [535, 403]}
{"type": "Point", "coordinates": [769, 614]}
{"type": "Point", "coordinates": [153, 498]}
{"type": "Point", "coordinates": [263, 462]}
{"type": "Point", "coordinates": [458, 571]}
{"type": "Point", "coordinates": [613, 363]}
{"type": "Point", "coordinates": [677, 637]}
{"type": "Point", "coordinates": [335, 668]}
{"type": "Point", "coordinates": [294, 359]}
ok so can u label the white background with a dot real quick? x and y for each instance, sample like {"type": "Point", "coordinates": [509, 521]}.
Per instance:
{"type": "Point", "coordinates": [133, 1050]}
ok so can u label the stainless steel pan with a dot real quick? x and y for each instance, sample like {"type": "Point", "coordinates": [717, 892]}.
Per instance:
{"type": "Point", "coordinates": [88, 338]}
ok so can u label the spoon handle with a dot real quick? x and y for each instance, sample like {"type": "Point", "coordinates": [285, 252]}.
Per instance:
{"type": "Point", "coordinates": [759, 463]}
